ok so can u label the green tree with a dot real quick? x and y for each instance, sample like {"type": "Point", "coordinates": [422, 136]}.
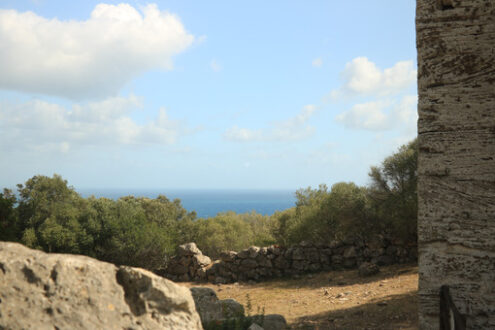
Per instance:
{"type": "Point", "coordinates": [393, 192]}
{"type": "Point", "coordinates": [9, 226]}
{"type": "Point", "coordinates": [49, 216]}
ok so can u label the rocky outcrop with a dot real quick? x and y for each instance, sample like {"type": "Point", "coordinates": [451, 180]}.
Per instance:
{"type": "Point", "coordinates": [456, 164]}
{"type": "Point", "coordinates": [256, 264]}
{"type": "Point", "coordinates": [57, 291]}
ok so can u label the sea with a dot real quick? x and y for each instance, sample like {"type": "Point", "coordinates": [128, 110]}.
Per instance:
{"type": "Point", "coordinates": [208, 203]}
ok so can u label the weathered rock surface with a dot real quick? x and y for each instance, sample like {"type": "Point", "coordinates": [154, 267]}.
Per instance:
{"type": "Point", "coordinates": [188, 249]}
{"type": "Point", "coordinates": [59, 291]}
{"type": "Point", "coordinates": [210, 308]}
{"type": "Point", "coordinates": [456, 164]}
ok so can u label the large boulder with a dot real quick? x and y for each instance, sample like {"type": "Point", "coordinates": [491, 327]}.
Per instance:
{"type": "Point", "coordinates": [59, 291]}
{"type": "Point", "coordinates": [210, 308]}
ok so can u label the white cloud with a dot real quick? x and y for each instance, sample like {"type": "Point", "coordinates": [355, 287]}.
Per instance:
{"type": "Point", "coordinates": [363, 77]}
{"type": "Point", "coordinates": [368, 116]}
{"type": "Point", "coordinates": [317, 62]}
{"type": "Point", "coordinates": [215, 66]}
{"type": "Point", "coordinates": [40, 125]}
{"type": "Point", "coordinates": [382, 115]}
{"type": "Point", "coordinates": [94, 58]}
{"type": "Point", "coordinates": [292, 129]}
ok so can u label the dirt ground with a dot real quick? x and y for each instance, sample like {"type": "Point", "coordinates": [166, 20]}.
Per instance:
{"type": "Point", "coordinates": [335, 299]}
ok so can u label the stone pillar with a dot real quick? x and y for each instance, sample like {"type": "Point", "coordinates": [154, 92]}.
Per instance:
{"type": "Point", "coordinates": [456, 186]}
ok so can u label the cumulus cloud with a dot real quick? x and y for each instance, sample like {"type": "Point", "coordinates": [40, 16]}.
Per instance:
{"type": "Point", "coordinates": [317, 62]}
{"type": "Point", "coordinates": [292, 129]}
{"type": "Point", "coordinates": [381, 115]}
{"type": "Point", "coordinates": [93, 58]}
{"type": "Point", "coordinates": [39, 124]}
{"type": "Point", "coordinates": [363, 77]}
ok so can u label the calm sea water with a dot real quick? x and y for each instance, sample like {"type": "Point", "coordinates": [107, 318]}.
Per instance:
{"type": "Point", "coordinates": [208, 203]}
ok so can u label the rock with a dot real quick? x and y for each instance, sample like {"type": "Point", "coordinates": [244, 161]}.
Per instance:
{"type": "Point", "coordinates": [349, 263]}
{"type": "Point", "coordinates": [274, 322]}
{"type": "Point", "coordinates": [298, 254]}
{"type": "Point", "coordinates": [249, 263]}
{"type": "Point", "coordinates": [254, 326]}
{"type": "Point", "coordinates": [314, 267]}
{"type": "Point", "coordinates": [253, 251]}
{"type": "Point", "coordinates": [188, 249]}
{"type": "Point", "coordinates": [305, 244]}
{"type": "Point", "coordinates": [335, 244]}
{"type": "Point", "coordinates": [336, 259]}
{"type": "Point", "coordinates": [184, 278]}
{"type": "Point", "coordinates": [280, 262]}
{"type": "Point", "coordinates": [300, 265]}
{"type": "Point", "coordinates": [274, 249]}
{"type": "Point", "coordinates": [243, 254]}
{"type": "Point", "coordinates": [201, 260]}
{"type": "Point", "coordinates": [350, 252]}
{"type": "Point", "coordinates": [212, 309]}
{"type": "Point", "coordinates": [185, 260]}
{"type": "Point", "coordinates": [312, 254]}
{"type": "Point", "coordinates": [368, 269]}
{"type": "Point", "coordinates": [57, 291]}
{"type": "Point", "coordinates": [263, 261]}
{"type": "Point", "coordinates": [228, 256]}
{"type": "Point", "coordinates": [177, 269]}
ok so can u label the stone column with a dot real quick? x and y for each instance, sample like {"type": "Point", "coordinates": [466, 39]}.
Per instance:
{"type": "Point", "coordinates": [456, 186]}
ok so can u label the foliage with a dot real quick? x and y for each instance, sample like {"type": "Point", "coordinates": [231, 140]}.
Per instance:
{"type": "Point", "coordinates": [9, 230]}
{"type": "Point", "coordinates": [52, 216]}
{"type": "Point", "coordinates": [232, 231]}
{"type": "Point", "coordinates": [48, 214]}
{"type": "Point", "coordinates": [321, 215]}
{"type": "Point", "coordinates": [388, 205]}
{"type": "Point", "coordinates": [393, 192]}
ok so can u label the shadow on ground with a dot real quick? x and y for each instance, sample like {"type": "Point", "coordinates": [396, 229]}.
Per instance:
{"type": "Point", "coordinates": [386, 314]}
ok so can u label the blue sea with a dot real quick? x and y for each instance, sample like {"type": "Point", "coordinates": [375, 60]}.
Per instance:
{"type": "Point", "coordinates": [207, 203]}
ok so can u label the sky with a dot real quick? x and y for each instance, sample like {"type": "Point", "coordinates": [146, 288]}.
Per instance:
{"type": "Point", "coordinates": [204, 94]}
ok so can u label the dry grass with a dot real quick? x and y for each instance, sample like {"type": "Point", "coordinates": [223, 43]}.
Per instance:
{"type": "Point", "coordinates": [335, 299]}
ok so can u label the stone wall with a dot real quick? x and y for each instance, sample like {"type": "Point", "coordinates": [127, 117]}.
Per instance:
{"type": "Point", "coordinates": [255, 263]}
{"type": "Point", "coordinates": [456, 134]}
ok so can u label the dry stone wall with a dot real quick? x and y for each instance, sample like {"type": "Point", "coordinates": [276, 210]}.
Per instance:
{"type": "Point", "coordinates": [259, 263]}
{"type": "Point", "coordinates": [456, 178]}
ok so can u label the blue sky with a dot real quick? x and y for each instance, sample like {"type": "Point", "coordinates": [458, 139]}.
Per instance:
{"type": "Point", "coordinates": [204, 94]}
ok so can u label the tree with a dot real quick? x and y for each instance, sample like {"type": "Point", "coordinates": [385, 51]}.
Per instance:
{"type": "Point", "coordinates": [393, 191]}
{"type": "Point", "coordinates": [9, 226]}
{"type": "Point", "coordinates": [49, 216]}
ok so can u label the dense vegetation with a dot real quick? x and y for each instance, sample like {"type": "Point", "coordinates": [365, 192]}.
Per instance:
{"type": "Point", "coordinates": [48, 214]}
